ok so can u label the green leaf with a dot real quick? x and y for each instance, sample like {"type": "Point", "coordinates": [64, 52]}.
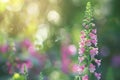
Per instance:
{"type": "Point", "coordinates": [109, 75]}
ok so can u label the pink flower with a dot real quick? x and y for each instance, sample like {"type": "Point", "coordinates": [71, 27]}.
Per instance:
{"type": "Point", "coordinates": [4, 48]}
{"type": "Point", "coordinates": [92, 68]}
{"type": "Point", "coordinates": [94, 31]}
{"type": "Point", "coordinates": [98, 75]}
{"type": "Point", "coordinates": [86, 26]}
{"type": "Point", "coordinates": [81, 50]}
{"type": "Point", "coordinates": [71, 49]}
{"type": "Point", "coordinates": [82, 37]}
{"type": "Point", "coordinates": [85, 77]}
{"type": "Point", "coordinates": [9, 65]}
{"type": "Point", "coordinates": [78, 69]}
{"type": "Point", "coordinates": [81, 59]}
{"type": "Point", "coordinates": [74, 68]}
{"type": "Point", "coordinates": [93, 52]}
{"type": "Point", "coordinates": [27, 43]}
{"type": "Point", "coordinates": [88, 42]}
{"type": "Point", "coordinates": [82, 44]}
{"type": "Point", "coordinates": [32, 50]}
{"type": "Point", "coordinates": [82, 33]}
{"type": "Point", "coordinates": [28, 65]}
{"type": "Point", "coordinates": [92, 36]}
{"type": "Point", "coordinates": [94, 41]}
{"type": "Point", "coordinates": [98, 62]}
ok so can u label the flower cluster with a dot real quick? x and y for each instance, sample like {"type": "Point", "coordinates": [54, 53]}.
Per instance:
{"type": "Point", "coordinates": [88, 49]}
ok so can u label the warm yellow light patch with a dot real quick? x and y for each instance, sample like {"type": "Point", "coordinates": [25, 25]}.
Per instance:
{"type": "Point", "coordinates": [16, 75]}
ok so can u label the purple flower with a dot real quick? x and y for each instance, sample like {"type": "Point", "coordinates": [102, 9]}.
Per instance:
{"type": "Point", "coordinates": [98, 75]}
{"type": "Point", "coordinates": [116, 61]}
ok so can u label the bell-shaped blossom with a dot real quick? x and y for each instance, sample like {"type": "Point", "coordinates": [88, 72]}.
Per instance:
{"type": "Point", "coordinates": [92, 68]}
{"type": "Point", "coordinates": [78, 69]}
{"type": "Point", "coordinates": [81, 51]}
{"type": "Point", "coordinates": [98, 76]}
{"type": "Point", "coordinates": [92, 36]}
{"type": "Point", "coordinates": [93, 52]}
{"type": "Point", "coordinates": [98, 62]}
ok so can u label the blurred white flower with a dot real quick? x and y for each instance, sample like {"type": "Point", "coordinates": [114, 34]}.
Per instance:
{"type": "Point", "coordinates": [41, 34]}
{"type": "Point", "coordinates": [33, 9]}
{"type": "Point", "coordinates": [53, 16]}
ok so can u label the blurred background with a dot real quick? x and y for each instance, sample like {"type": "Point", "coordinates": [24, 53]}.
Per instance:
{"type": "Point", "coordinates": [44, 35]}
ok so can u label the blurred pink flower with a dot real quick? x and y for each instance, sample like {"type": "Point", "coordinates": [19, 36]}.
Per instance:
{"type": "Point", "coordinates": [86, 26]}
{"type": "Point", "coordinates": [28, 65]}
{"type": "Point", "coordinates": [27, 43]}
{"type": "Point", "coordinates": [98, 76]}
{"type": "Point", "coordinates": [4, 48]}
{"type": "Point", "coordinates": [32, 50]}
{"type": "Point", "coordinates": [65, 58]}
{"type": "Point", "coordinates": [94, 31]}
{"type": "Point", "coordinates": [85, 77]}
{"type": "Point", "coordinates": [116, 61]}
{"type": "Point", "coordinates": [72, 49]}
{"type": "Point", "coordinates": [92, 68]}
{"type": "Point", "coordinates": [9, 65]}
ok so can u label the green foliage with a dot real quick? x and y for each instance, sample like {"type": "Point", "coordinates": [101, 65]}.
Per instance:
{"type": "Point", "coordinates": [23, 76]}
{"type": "Point", "coordinates": [41, 76]}
{"type": "Point", "coordinates": [109, 75]}
{"type": "Point", "coordinates": [25, 72]}
{"type": "Point", "coordinates": [89, 10]}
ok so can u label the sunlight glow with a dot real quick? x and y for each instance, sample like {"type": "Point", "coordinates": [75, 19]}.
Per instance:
{"type": "Point", "coordinates": [33, 9]}
{"type": "Point", "coordinates": [53, 16]}
{"type": "Point", "coordinates": [4, 1]}
{"type": "Point", "coordinates": [41, 34]}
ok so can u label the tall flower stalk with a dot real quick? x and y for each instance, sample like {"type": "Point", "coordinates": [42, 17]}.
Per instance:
{"type": "Point", "coordinates": [88, 49]}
